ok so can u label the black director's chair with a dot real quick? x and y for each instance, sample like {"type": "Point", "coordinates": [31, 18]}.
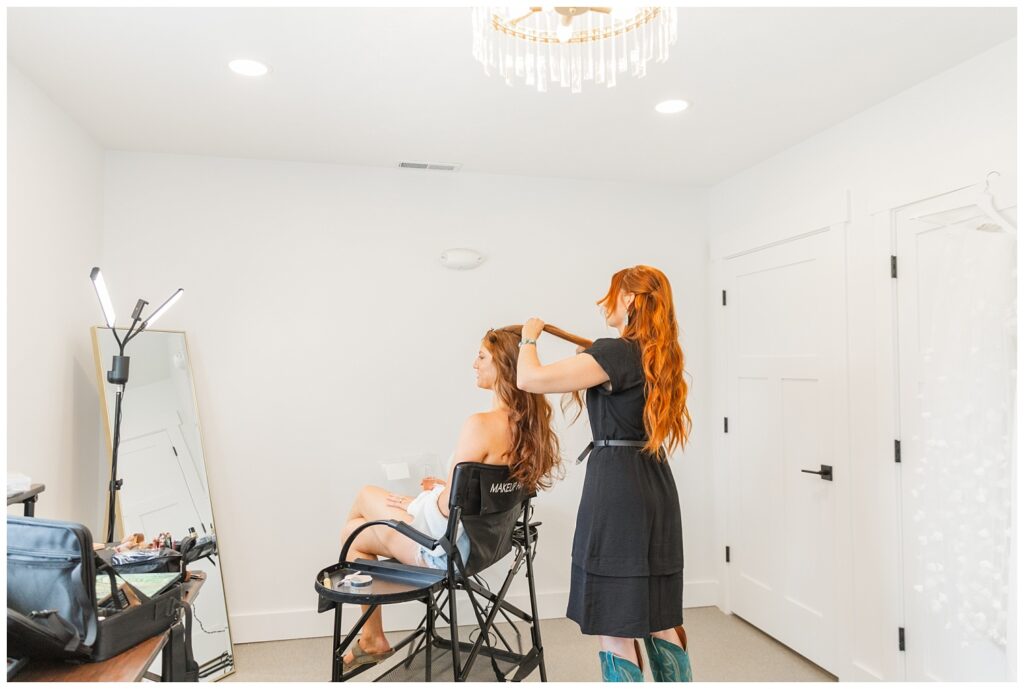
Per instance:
{"type": "Point", "coordinates": [495, 511]}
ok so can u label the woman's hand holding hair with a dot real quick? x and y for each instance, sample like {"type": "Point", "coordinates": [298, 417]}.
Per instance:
{"type": "Point", "coordinates": [568, 375]}
{"type": "Point", "coordinates": [528, 362]}
{"type": "Point", "coordinates": [398, 501]}
{"type": "Point", "coordinates": [556, 331]}
{"type": "Point", "coordinates": [532, 329]}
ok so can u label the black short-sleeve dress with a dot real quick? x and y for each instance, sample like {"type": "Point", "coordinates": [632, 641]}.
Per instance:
{"type": "Point", "coordinates": [627, 553]}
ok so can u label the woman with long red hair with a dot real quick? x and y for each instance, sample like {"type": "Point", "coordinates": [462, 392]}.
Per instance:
{"type": "Point", "coordinates": [627, 553]}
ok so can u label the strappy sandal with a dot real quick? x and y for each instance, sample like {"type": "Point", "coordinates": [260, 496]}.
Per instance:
{"type": "Point", "coordinates": [360, 657]}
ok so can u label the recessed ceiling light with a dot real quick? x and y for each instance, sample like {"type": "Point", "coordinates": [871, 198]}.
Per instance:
{"type": "Point", "coordinates": [248, 68]}
{"type": "Point", "coordinates": [671, 107]}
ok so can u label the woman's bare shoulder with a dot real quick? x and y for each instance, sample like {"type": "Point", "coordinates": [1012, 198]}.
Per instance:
{"type": "Point", "coordinates": [494, 418]}
{"type": "Point", "coordinates": [491, 430]}
{"type": "Point", "coordinates": [477, 423]}
{"type": "Point", "coordinates": [483, 428]}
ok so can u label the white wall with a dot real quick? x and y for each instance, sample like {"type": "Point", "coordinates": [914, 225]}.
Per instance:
{"type": "Point", "coordinates": [326, 338]}
{"type": "Point", "coordinates": [944, 133]}
{"type": "Point", "coordinates": [54, 197]}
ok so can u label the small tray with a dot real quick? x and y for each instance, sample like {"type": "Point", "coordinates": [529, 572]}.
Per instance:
{"type": "Point", "coordinates": [393, 582]}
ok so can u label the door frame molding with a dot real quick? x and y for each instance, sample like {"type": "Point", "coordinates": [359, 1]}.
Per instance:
{"type": "Point", "coordinates": [886, 396]}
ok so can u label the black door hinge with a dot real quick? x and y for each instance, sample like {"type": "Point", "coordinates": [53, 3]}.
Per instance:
{"type": "Point", "coordinates": [726, 424]}
{"type": "Point", "coordinates": [723, 297]}
{"type": "Point", "coordinates": [897, 451]}
{"type": "Point", "coordinates": [903, 640]}
{"type": "Point", "coordinates": [726, 553]}
{"type": "Point", "coordinates": [892, 265]}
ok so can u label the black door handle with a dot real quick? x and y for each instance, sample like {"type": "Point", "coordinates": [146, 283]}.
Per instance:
{"type": "Point", "coordinates": [825, 473]}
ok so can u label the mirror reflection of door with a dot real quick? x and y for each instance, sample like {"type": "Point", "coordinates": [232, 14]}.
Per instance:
{"type": "Point", "coordinates": [164, 483]}
{"type": "Point", "coordinates": [163, 468]}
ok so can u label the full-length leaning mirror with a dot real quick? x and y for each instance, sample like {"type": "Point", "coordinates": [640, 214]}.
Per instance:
{"type": "Point", "coordinates": [163, 468]}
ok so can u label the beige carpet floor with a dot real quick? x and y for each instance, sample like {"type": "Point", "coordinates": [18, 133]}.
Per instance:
{"type": "Point", "coordinates": [722, 648]}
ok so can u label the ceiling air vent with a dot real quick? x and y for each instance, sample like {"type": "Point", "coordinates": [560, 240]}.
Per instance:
{"type": "Point", "coordinates": [443, 167]}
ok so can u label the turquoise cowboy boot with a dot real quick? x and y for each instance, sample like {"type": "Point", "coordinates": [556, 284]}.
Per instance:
{"type": "Point", "coordinates": [669, 663]}
{"type": "Point", "coordinates": [617, 669]}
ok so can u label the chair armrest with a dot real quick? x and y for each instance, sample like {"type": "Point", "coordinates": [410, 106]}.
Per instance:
{"type": "Point", "coordinates": [401, 527]}
{"type": "Point", "coordinates": [423, 539]}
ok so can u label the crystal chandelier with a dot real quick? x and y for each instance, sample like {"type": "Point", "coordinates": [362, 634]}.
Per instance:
{"type": "Point", "coordinates": [539, 46]}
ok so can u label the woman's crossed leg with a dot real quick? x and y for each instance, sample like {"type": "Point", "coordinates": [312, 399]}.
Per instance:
{"type": "Point", "coordinates": [377, 541]}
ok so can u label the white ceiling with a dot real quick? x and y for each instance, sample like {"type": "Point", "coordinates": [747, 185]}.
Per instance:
{"type": "Point", "coordinates": [375, 86]}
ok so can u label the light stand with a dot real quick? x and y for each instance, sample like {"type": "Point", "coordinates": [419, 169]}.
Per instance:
{"type": "Point", "coordinates": [118, 373]}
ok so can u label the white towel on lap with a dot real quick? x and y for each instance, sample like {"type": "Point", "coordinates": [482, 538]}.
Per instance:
{"type": "Point", "coordinates": [426, 516]}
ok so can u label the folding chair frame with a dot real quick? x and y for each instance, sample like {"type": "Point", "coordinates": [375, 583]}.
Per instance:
{"type": "Point", "coordinates": [437, 589]}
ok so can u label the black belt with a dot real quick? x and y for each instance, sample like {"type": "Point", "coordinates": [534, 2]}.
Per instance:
{"type": "Point", "coordinates": [609, 443]}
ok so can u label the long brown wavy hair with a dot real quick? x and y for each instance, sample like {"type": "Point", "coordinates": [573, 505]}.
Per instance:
{"type": "Point", "coordinates": [652, 325]}
{"type": "Point", "coordinates": [570, 400]}
{"type": "Point", "coordinates": [534, 454]}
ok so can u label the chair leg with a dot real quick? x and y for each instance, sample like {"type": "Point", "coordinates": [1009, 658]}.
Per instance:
{"type": "Point", "coordinates": [429, 634]}
{"type": "Point", "coordinates": [336, 660]}
{"type": "Point", "coordinates": [535, 626]}
{"type": "Point", "coordinates": [453, 625]}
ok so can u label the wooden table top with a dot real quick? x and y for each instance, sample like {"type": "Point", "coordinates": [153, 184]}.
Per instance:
{"type": "Point", "coordinates": [129, 666]}
{"type": "Point", "coordinates": [24, 495]}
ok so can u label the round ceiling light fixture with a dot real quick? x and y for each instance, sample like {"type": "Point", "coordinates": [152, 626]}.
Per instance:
{"type": "Point", "coordinates": [671, 107]}
{"type": "Point", "coordinates": [248, 68]}
{"type": "Point", "coordinates": [461, 259]}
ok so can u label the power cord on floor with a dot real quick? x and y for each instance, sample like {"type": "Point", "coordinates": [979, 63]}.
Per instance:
{"type": "Point", "coordinates": [205, 630]}
{"type": "Point", "coordinates": [491, 638]}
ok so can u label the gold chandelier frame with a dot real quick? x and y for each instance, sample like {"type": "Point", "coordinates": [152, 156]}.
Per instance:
{"type": "Point", "coordinates": [507, 27]}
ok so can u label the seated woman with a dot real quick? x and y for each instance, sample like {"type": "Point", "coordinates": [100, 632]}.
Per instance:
{"type": "Point", "coordinates": [516, 432]}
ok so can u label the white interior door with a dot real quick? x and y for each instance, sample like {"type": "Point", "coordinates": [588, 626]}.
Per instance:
{"type": "Point", "coordinates": [956, 328]}
{"type": "Point", "coordinates": [786, 315]}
